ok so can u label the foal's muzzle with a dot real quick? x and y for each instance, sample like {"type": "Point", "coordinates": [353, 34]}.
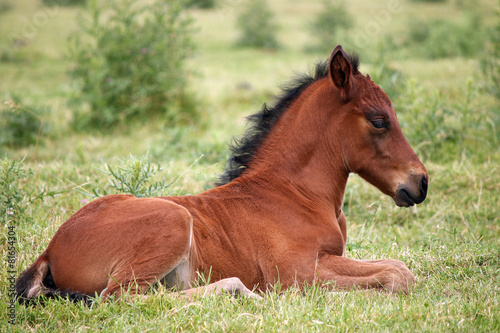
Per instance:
{"type": "Point", "coordinates": [413, 192]}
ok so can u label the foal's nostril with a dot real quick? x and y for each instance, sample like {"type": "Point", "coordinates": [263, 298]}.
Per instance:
{"type": "Point", "coordinates": [424, 183]}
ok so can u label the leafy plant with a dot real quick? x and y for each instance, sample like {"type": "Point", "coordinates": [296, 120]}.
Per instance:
{"type": "Point", "coordinates": [131, 63]}
{"type": "Point", "coordinates": [256, 25]}
{"type": "Point", "coordinates": [329, 24]}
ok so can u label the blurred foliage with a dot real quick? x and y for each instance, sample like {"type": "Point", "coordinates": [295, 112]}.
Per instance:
{"type": "Point", "coordinates": [5, 7]}
{"type": "Point", "coordinates": [330, 25]}
{"type": "Point", "coordinates": [64, 2]}
{"type": "Point", "coordinates": [490, 62]}
{"type": "Point", "coordinates": [131, 63]}
{"type": "Point", "coordinates": [441, 129]}
{"type": "Point", "coordinates": [257, 25]}
{"type": "Point", "coordinates": [21, 125]}
{"type": "Point", "coordinates": [384, 74]}
{"type": "Point", "coordinates": [203, 4]}
{"type": "Point", "coordinates": [444, 38]}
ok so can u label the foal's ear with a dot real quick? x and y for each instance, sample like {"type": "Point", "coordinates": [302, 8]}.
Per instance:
{"type": "Point", "coordinates": [341, 70]}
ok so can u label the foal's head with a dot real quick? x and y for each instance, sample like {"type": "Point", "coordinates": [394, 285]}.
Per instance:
{"type": "Point", "coordinates": [369, 135]}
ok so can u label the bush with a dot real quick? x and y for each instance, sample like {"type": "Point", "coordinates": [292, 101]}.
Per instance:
{"type": "Point", "coordinates": [21, 126]}
{"type": "Point", "coordinates": [203, 4]}
{"type": "Point", "coordinates": [439, 38]}
{"type": "Point", "coordinates": [5, 7]}
{"type": "Point", "coordinates": [329, 25]}
{"type": "Point", "coordinates": [130, 63]}
{"type": "Point", "coordinates": [257, 26]}
{"type": "Point", "coordinates": [64, 2]}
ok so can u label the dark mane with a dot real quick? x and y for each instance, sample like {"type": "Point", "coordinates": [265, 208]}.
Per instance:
{"type": "Point", "coordinates": [260, 124]}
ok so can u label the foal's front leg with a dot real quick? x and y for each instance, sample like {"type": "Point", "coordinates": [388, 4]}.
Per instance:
{"type": "Point", "coordinates": [233, 286]}
{"type": "Point", "coordinates": [348, 273]}
{"type": "Point", "coordinates": [396, 263]}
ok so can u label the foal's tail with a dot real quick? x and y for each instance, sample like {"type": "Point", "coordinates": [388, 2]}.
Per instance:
{"type": "Point", "coordinates": [37, 280]}
{"type": "Point", "coordinates": [30, 284]}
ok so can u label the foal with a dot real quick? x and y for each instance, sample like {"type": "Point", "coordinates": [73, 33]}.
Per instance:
{"type": "Point", "coordinates": [275, 216]}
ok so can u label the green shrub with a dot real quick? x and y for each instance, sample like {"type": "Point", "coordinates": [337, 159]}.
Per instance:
{"type": "Point", "coordinates": [21, 125]}
{"type": "Point", "coordinates": [256, 25]}
{"type": "Point", "coordinates": [329, 25]}
{"type": "Point", "coordinates": [64, 2]}
{"type": "Point", "coordinates": [131, 63]}
{"type": "Point", "coordinates": [440, 38]}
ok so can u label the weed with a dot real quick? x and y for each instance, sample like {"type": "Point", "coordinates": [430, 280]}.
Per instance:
{"type": "Point", "coordinates": [133, 176]}
{"type": "Point", "coordinates": [18, 191]}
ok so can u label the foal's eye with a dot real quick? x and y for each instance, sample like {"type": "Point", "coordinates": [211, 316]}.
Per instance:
{"type": "Point", "coordinates": [378, 123]}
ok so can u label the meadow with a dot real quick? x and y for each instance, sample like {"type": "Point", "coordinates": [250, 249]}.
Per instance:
{"type": "Point", "coordinates": [427, 55]}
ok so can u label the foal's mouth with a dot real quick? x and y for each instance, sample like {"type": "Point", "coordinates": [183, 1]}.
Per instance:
{"type": "Point", "coordinates": [406, 197]}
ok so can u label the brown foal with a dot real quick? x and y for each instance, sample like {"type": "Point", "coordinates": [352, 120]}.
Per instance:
{"type": "Point", "coordinates": [275, 216]}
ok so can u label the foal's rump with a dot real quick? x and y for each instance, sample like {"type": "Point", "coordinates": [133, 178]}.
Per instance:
{"type": "Point", "coordinates": [118, 241]}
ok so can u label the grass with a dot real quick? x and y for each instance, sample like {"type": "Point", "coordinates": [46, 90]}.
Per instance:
{"type": "Point", "coordinates": [451, 242]}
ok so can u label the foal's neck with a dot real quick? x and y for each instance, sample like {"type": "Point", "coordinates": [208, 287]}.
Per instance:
{"type": "Point", "coordinates": [297, 153]}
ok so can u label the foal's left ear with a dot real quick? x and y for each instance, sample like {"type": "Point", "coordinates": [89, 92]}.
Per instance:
{"type": "Point", "coordinates": [341, 70]}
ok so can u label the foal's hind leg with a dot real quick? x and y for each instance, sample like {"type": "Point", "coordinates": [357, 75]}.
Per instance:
{"type": "Point", "coordinates": [164, 249]}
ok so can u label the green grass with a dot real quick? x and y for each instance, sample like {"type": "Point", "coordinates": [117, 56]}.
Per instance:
{"type": "Point", "coordinates": [451, 242]}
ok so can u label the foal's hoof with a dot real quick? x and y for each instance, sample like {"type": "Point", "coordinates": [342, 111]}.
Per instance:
{"type": "Point", "coordinates": [397, 280]}
{"type": "Point", "coordinates": [236, 288]}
